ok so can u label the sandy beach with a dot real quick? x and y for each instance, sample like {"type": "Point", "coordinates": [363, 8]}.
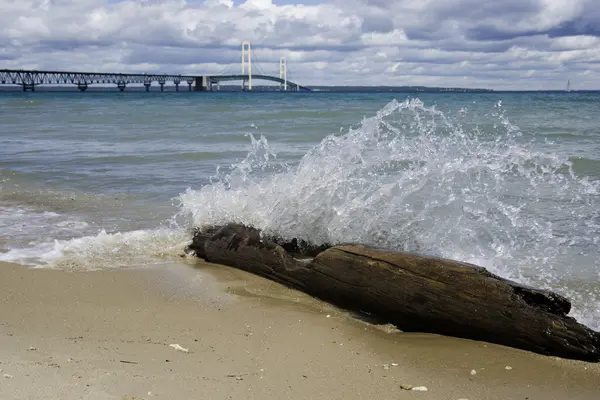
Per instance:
{"type": "Point", "coordinates": [108, 335]}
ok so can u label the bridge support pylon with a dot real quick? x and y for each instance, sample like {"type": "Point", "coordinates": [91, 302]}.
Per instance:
{"type": "Point", "coordinates": [162, 82]}
{"type": "Point", "coordinates": [177, 82]}
{"type": "Point", "coordinates": [82, 86]}
{"type": "Point", "coordinates": [121, 85]}
{"type": "Point", "coordinates": [28, 87]}
{"type": "Point", "coordinates": [247, 63]}
{"type": "Point", "coordinates": [147, 85]}
{"type": "Point", "coordinates": [283, 73]}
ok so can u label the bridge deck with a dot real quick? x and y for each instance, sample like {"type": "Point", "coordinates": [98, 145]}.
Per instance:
{"type": "Point", "coordinates": [221, 78]}
{"type": "Point", "coordinates": [28, 79]}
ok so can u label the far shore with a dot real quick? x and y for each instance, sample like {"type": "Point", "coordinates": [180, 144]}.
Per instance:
{"type": "Point", "coordinates": [108, 335]}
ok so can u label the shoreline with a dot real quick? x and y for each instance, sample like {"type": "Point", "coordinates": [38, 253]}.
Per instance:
{"type": "Point", "coordinates": [107, 334]}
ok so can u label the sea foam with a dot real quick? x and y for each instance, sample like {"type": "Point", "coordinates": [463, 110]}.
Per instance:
{"type": "Point", "coordinates": [103, 250]}
{"type": "Point", "coordinates": [411, 178]}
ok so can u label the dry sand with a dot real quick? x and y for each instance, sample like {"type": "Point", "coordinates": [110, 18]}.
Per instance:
{"type": "Point", "coordinates": [107, 335]}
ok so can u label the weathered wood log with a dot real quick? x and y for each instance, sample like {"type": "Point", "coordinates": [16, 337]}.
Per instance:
{"type": "Point", "coordinates": [414, 292]}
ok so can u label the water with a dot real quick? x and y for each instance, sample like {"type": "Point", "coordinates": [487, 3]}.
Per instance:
{"type": "Point", "coordinates": [109, 180]}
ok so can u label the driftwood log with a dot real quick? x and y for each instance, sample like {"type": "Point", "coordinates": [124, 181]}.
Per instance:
{"type": "Point", "coordinates": [413, 292]}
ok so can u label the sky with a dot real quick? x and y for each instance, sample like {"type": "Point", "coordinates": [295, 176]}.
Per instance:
{"type": "Point", "coordinates": [500, 44]}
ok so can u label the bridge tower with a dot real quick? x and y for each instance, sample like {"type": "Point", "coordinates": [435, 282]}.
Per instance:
{"type": "Point", "coordinates": [283, 73]}
{"type": "Point", "coordinates": [247, 62]}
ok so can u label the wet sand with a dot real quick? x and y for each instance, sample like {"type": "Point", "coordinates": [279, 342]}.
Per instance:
{"type": "Point", "coordinates": [107, 335]}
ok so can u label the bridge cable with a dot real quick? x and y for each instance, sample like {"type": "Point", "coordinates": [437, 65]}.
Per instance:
{"type": "Point", "coordinates": [291, 78]}
{"type": "Point", "coordinates": [227, 69]}
{"type": "Point", "coordinates": [257, 63]}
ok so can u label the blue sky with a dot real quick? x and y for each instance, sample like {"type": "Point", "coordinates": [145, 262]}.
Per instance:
{"type": "Point", "coordinates": [501, 44]}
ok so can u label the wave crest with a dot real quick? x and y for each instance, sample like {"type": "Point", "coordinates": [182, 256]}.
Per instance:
{"type": "Point", "coordinates": [411, 178]}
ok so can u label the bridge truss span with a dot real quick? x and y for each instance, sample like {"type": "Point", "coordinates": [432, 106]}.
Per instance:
{"type": "Point", "coordinates": [28, 79]}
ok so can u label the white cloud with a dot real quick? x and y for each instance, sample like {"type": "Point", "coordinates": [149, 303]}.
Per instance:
{"type": "Point", "coordinates": [480, 43]}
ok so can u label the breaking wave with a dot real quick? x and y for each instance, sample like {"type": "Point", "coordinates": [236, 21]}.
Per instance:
{"type": "Point", "coordinates": [103, 250]}
{"type": "Point", "coordinates": [411, 178]}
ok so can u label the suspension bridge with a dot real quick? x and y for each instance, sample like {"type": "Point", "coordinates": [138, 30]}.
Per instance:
{"type": "Point", "coordinates": [29, 79]}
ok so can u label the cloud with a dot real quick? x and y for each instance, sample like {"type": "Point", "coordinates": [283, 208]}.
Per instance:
{"type": "Point", "coordinates": [524, 44]}
{"type": "Point", "coordinates": [377, 22]}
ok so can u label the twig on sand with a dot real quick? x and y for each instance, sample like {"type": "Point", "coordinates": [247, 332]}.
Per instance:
{"type": "Point", "coordinates": [179, 348]}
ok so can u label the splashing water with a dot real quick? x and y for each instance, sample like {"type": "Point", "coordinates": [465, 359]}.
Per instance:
{"type": "Point", "coordinates": [104, 250]}
{"type": "Point", "coordinates": [411, 179]}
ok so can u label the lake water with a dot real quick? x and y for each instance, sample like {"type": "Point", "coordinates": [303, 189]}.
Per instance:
{"type": "Point", "coordinates": [509, 181]}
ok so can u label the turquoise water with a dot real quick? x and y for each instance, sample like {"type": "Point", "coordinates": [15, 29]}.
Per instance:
{"type": "Point", "coordinates": [112, 180]}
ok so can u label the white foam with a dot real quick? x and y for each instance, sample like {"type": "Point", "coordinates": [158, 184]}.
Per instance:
{"type": "Point", "coordinates": [411, 179]}
{"type": "Point", "coordinates": [26, 225]}
{"type": "Point", "coordinates": [104, 250]}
